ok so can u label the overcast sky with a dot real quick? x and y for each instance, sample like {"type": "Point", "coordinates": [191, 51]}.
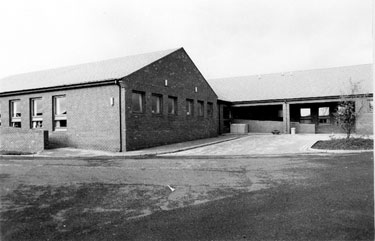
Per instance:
{"type": "Point", "coordinates": [224, 38]}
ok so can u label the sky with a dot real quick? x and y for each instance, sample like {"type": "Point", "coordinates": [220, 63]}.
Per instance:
{"type": "Point", "coordinates": [223, 38]}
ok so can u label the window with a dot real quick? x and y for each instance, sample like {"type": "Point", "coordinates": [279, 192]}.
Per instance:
{"type": "Point", "coordinates": [172, 105]}
{"type": "Point", "coordinates": [59, 113]}
{"type": "Point", "coordinates": [189, 107]}
{"type": "Point", "coordinates": [36, 107]}
{"type": "Point", "coordinates": [210, 109]}
{"type": "Point", "coordinates": [305, 112]}
{"type": "Point", "coordinates": [200, 108]}
{"type": "Point", "coordinates": [323, 114]}
{"type": "Point", "coordinates": [15, 113]}
{"type": "Point", "coordinates": [156, 104]}
{"type": "Point", "coordinates": [305, 115]}
{"type": "Point", "coordinates": [138, 102]}
{"type": "Point", "coordinates": [0, 115]}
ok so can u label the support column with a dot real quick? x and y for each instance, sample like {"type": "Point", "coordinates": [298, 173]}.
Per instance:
{"type": "Point", "coordinates": [286, 117]}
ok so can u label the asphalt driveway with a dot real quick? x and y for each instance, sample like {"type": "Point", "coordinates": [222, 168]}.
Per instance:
{"type": "Point", "coordinates": [297, 197]}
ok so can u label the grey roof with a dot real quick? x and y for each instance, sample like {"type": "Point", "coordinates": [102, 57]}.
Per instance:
{"type": "Point", "coordinates": [296, 84]}
{"type": "Point", "coordinates": [79, 74]}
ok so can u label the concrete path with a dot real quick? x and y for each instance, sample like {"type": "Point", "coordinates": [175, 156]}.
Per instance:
{"type": "Point", "coordinates": [261, 144]}
{"type": "Point", "coordinates": [73, 152]}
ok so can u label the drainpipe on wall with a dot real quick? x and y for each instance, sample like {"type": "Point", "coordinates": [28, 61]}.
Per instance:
{"type": "Point", "coordinates": [121, 86]}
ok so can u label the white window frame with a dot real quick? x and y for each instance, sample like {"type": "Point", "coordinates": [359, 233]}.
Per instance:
{"type": "Point", "coordinates": [57, 118]}
{"type": "Point", "coordinates": [36, 121]}
{"type": "Point", "coordinates": [14, 119]}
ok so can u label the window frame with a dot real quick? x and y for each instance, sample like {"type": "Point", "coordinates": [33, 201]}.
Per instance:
{"type": "Point", "coordinates": [14, 121]}
{"type": "Point", "coordinates": [58, 117]}
{"type": "Point", "coordinates": [141, 104]}
{"type": "Point", "coordinates": [305, 119]}
{"type": "Point", "coordinates": [190, 103]}
{"type": "Point", "coordinates": [210, 109]}
{"type": "Point", "coordinates": [200, 108]}
{"type": "Point", "coordinates": [173, 100]}
{"type": "Point", "coordinates": [160, 98]}
{"type": "Point", "coordinates": [38, 119]}
{"type": "Point", "coordinates": [324, 119]}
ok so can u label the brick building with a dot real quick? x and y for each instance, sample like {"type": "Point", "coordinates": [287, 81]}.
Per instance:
{"type": "Point", "coordinates": [115, 105]}
{"type": "Point", "coordinates": [161, 97]}
{"type": "Point", "coordinates": [305, 100]}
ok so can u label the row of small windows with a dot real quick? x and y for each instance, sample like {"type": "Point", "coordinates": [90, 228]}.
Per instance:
{"type": "Point", "coordinates": [138, 105]}
{"type": "Point", "coordinates": [37, 109]}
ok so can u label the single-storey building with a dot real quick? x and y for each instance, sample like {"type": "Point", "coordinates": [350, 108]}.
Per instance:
{"type": "Point", "coordinates": [114, 105]}
{"type": "Point", "coordinates": [304, 100]}
{"type": "Point", "coordinates": [160, 98]}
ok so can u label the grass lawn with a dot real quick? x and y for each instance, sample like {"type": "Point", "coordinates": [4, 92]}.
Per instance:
{"type": "Point", "coordinates": [345, 144]}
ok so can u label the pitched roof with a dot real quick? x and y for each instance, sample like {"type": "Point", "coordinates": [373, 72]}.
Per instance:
{"type": "Point", "coordinates": [297, 84]}
{"type": "Point", "coordinates": [79, 74]}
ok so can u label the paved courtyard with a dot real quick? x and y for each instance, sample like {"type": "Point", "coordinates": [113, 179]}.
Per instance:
{"type": "Point", "coordinates": [259, 144]}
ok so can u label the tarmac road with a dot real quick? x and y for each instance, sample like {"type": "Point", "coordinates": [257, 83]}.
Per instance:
{"type": "Point", "coordinates": [309, 197]}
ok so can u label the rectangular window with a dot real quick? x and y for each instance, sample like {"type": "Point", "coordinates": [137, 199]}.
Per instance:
{"type": "Point", "coordinates": [172, 105]}
{"type": "Point", "coordinates": [36, 107]}
{"type": "Point", "coordinates": [200, 108]}
{"type": "Point", "coordinates": [189, 107]}
{"type": "Point", "coordinates": [323, 114]}
{"type": "Point", "coordinates": [156, 104]}
{"type": "Point", "coordinates": [138, 102]}
{"type": "Point", "coordinates": [305, 112]}
{"type": "Point", "coordinates": [210, 109]}
{"type": "Point", "coordinates": [305, 115]}
{"type": "Point", "coordinates": [59, 113]}
{"type": "Point", "coordinates": [15, 113]}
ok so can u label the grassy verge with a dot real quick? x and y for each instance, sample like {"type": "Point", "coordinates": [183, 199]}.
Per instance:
{"type": "Point", "coordinates": [345, 144]}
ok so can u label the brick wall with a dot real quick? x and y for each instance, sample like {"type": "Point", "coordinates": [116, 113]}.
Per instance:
{"type": "Point", "coordinates": [92, 122]}
{"type": "Point", "coordinates": [256, 126]}
{"type": "Point", "coordinates": [364, 122]}
{"type": "Point", "coordinates": [147, 129]}
{"type": "Point", "coordinates": [303, 128]}
{"type": "Point", "coordinates": [24, 141]}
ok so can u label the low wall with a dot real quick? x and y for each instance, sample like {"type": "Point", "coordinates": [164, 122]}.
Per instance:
{"type": "Point", "coordinates": [22, 141]}
{"type": "Point", "coordinates": [303, 128]}
{"type": "Point", "coordinates": [261, 126]}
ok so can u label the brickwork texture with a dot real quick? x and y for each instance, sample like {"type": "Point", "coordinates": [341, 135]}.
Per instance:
{"type": "Point", "coordinates": [16, 140]}
{"type": "Point", "coordinates": [184, 81]}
